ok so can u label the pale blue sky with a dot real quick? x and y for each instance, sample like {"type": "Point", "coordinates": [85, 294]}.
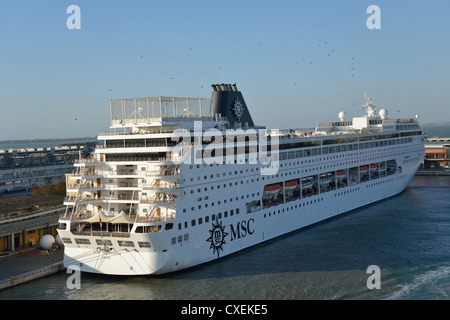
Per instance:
{"type": "Point", "coordinates": [296, 62]}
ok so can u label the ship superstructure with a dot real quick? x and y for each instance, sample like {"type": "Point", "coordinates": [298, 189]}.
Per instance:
{"type": "Point", "coordinates": [182, 181]}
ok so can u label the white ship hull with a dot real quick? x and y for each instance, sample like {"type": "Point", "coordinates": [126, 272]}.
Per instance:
{"type": "Point", "coordinates": [240, 231]}
{"type": "Point", "coordinates": [132, 211]}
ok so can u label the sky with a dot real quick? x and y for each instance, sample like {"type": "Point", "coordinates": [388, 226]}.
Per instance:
{"type": "Point", "coordinates": [296, 62]}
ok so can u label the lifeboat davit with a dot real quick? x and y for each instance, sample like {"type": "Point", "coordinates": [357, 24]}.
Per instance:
{"type": "Point", "coordinates": [272, 188]}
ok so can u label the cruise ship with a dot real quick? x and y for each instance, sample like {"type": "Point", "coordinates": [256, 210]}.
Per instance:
{"type": "Point", "coordinates": [180, 181]}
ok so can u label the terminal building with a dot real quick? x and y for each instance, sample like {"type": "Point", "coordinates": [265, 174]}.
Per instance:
{"type": "Point", "coordinates": [25, 230]}
{"type": "Point", "coordinates": [20, 169]}
{"type": "Point", "coordinates": [437, 153]}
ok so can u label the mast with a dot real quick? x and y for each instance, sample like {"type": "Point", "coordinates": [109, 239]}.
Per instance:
{"type": "Point", "coordinates": [370, 106]}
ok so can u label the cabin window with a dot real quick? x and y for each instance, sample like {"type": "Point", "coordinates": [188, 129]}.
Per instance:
{"type": "Point", "coordinates": [169, 226]}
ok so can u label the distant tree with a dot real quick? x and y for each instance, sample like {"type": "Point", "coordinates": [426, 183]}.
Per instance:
{"type": "Point", "coordinates": [60, 188]}
{"type": "Point", "coordinates": [57, 189]}
{"type": "Point", "coordinates": [36, 191]}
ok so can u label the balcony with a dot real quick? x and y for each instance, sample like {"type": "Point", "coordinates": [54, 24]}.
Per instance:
{"type": "Point", "coordinates": [163, 173]}
{"type": "Point", "coordinates": [89, 186]}
{"type": "Point", "coordinates": [158, 187]}
{"type": "Point", "coordinates": [72, 200]}
{"type": "Point", "coordinates": [162, 199]}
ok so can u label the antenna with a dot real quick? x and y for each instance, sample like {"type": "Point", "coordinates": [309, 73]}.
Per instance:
{"type": "Point", "coordinates": [370, 106]}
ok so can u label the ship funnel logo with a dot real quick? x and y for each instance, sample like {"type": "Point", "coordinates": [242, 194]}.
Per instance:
{"type": "Point", "coordinates": [217, 237]}
{"type": "Point", "coordinates": [238, 109]}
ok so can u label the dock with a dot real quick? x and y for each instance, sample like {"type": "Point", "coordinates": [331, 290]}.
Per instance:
{"type": "Point", "coordinates": [431, 172]}
{"type": "Point", "coordinates": [20, 267]}
{"type": "Point", "coordinates": [21, 261]}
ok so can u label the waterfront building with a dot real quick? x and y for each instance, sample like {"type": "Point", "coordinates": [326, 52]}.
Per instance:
{"type": "Point", "coordinates": [20, 169]}
{"type": "Point", "coordinates": [437, 153]}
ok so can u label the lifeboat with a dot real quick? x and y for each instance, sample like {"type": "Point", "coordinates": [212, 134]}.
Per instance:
{"type": "Point", "coordinates": [292, 184]}
{"type": "Point", "coordinates": [373, 166]}
{"type": "Point", "coordinates": [272, 188]}
{"type": "Point", "coordinates": [363, 168]}
{"type": "Point", "coordinates": [326, 177]}
{"type": "Point", "coordinates": [307, 182]}
{"type": "Point", "coordinates": [341, 173]}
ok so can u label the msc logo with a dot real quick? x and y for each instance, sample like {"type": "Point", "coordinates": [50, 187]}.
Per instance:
{"type": "Point", "coordinates": [217, 234]}
{"type": "Point", "coordinates": [217, 237]}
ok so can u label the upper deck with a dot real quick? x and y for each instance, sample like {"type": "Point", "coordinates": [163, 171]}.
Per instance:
{"type": "Point", "coordinates": [161, 116]}
{"type": "Point", "coordinates": [157, 110]}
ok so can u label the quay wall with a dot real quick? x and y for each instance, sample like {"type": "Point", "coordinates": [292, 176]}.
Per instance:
{"type": "Point", "coordinates": [31, 275]}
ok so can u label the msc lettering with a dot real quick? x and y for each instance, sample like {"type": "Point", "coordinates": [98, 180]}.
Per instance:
{"type": "Point", "coordinates": [242, 229]}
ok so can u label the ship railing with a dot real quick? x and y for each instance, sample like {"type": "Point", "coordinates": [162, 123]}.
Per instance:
{"type": "Point", "coordinates": [406, 120]}
{"type": "Point", "coordinates": [102, 233]}
{"type": "Point", "coordinates": [157, 109]}
{"type": "Point", "coordinates": [90, 159]}
{"type": "Point", "coordinates": [160, 199]}
{"type": "Point", "coordinates": [85, 214]}
{"type": "Point", "coordinates": [84, 173]}
{"type": "Point", "coordinates": [162, 186]}
{"type": "Point", "coordinates": [120, 197]}
{"type": "Point", "coordinates": [140, 159]}
{"type": "Point", "coordinates": [137, 145]}
{"type": "Point", "coordinates": [107, 173]}
{"type": "Point", "coordinates": [124, 158]}
{"type": "Point", "coordinates": [162, 159]}
{"type": "Point", "coordinates": [124, 172]}
{"type": "Point", "coordinates": [77, 215]}
{"type": "Point", "coordinates": [371, 130]}
{"type": "Point", "coordinates": [106, 198]}
{"type": "Point", "coordinates": [154, 219]}
{"type": "Point", "coordinates": [164, 172]}
{"type": "Point", "coordinates": [124, 133]}
{"type": "Point", "coordinates": [123, 185]}
{"type": "Point", "coordinates": [82, 186]}
{"type": "Point", "coordinates": [120, 173]}
{"type": "Point", "coordinates": [86, 160]}
{"type": "Point", "coordinates": [80, 199]}
{"type": "Point", "coordinates": [90, 185]}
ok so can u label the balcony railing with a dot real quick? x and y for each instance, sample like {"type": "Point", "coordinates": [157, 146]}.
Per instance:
{"type": "Point", "coordinates": [108, 173]}
{"type": "Point", "coordinates": [85, 214]}
{"type": "Point", "coordinates": [160, 200]}
{"type": "Point", "coordinates": [104, 186]}
{"type": "Point", "coordinates": [98, 199]}
{"type": "Point", "coordinates": [163, 173]}
{"type": "Point", "coordinates": [162, 186]}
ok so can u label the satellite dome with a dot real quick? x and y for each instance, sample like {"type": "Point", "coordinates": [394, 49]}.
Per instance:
{"type": "Point", "coordinates": [342, 115]}
{"type": "Point", "coordinates": [58, 240]}
{"type": "Point", "coordinates": [47, 242]}
{"type": "Point", "coordinates": [383, 113]}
